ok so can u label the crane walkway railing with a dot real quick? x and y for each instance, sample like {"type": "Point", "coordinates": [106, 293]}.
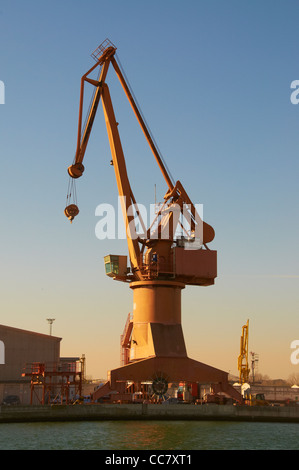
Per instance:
{"type": "Point", "coordinates": [157, 268]}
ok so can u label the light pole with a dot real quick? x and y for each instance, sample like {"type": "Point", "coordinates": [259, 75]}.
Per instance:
{"type": "Point", "coordinates": [50, 321]}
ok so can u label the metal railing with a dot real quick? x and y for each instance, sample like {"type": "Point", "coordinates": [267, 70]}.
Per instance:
{"type": "Point", "coordinates": [99, 51]}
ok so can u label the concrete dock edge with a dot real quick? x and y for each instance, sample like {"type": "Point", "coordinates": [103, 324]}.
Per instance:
{"type": "Point", "coordinates": [44, 413]}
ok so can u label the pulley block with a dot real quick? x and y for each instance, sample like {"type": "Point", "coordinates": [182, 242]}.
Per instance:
{"type": "Point", "coordinates": [71, 211]}
{"type": "Point", "coordinates": [76, 170]}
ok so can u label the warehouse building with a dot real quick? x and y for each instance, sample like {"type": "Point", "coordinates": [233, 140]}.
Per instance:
{"type": "Point", "coordinates": [18, 349]}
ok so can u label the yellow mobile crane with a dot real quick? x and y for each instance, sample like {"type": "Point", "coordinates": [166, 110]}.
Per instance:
{"type": "Point", "coordinates": [243, 356]}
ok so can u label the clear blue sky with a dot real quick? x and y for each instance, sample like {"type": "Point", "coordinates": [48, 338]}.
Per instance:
{"type": "Point", "coordinates": [213, 80]}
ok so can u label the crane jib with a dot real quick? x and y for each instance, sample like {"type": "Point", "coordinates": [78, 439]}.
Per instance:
{"type": "Point", "coordinates": [157, 257]}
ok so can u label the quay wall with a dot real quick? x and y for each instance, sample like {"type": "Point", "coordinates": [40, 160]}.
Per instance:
{"type": "Point", "coordinates": [90, 412]}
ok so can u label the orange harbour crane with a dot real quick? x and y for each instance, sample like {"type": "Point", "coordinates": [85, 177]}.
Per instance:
{"type": "Point", "coordinates": [161, 265]}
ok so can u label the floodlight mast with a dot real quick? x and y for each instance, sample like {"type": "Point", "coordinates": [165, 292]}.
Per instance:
{"type": "Point", "coordinates": [50, 321]}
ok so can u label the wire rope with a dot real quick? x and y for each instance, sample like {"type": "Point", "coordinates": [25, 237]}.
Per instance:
{"type": "Point", "coordinates": [143, 117]}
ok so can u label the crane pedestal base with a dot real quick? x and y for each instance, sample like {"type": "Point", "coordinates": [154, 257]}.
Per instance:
{"type": "Point", "coordinates": [172, 369]}
{"type": "Point", "coordinates": [175, 369]}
